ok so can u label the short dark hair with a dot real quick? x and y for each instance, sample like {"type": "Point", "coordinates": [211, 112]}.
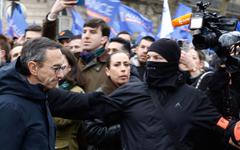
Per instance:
{"type": "Point", "coordinates": [3, 37]}
{"type": "Point", "coordinates": [148, 38]}
{"type": "Point", "coordinates": [123, 32]}
{"type": "Point", "coordinates": [5, 45]}
{"type": "Point", "coordinates": [95, 23]}
{"type": "Point", "coordinates": [35, 50]}
{"type": "Point", "coordinates": [34, 27]}
{"type": "Point", "coordinates": [75, 76]}
{"type": "Point", "coordinates": [126, 44]}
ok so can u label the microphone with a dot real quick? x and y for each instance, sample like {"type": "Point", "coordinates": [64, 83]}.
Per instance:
{"type": "Point", "coordinates": [230, 38]}
{"type": "Point", "coordinates": [182, 20]}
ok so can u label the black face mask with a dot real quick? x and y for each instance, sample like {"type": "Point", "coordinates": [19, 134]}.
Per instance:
{"type": "Point", "coordinates": [159, 73]}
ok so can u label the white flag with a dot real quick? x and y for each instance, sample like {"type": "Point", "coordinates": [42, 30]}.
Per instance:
{"type": "Point", "coordinates": [165, 27]}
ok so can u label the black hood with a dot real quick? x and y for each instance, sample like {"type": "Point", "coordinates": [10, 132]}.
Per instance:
{"type": "Point", "coordinates": [12, 82]}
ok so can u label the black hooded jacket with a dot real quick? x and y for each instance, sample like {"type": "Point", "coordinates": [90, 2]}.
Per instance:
{"type": "Point", "coordinates": [162, 114]}
{"type": "Point", "coordinates": [142, 125]}
{"type": "Point", "coordinates": [25, 120]}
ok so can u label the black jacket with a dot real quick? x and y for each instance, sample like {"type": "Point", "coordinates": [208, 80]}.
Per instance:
{"type": "Point", "coordinates": [26, 122]}
{"type": "Point", "coordinates": [224, 94]}
{"type": "Point", "coordinates": [97, 134]}
{"type": "Point", "coordinates": [142, 126]}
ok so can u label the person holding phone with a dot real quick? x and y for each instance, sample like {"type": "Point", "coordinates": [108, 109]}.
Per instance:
{"type": "Point", "coordinates": [50, 23]}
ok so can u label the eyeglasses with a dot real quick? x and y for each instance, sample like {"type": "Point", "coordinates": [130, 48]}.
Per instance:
{"type": "Point", "coordinates": [57, 69]}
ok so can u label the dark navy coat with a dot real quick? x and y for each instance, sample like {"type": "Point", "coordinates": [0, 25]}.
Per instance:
{"type": "Point", "coordinates": [142, 125]}
{"type": "Point", "coordinates": [25, 120]}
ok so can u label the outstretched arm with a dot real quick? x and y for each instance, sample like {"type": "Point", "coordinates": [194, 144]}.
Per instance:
{"type": "Point", "coordinates": [72, 105]}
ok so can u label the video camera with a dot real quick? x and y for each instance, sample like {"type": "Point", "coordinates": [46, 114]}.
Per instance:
{"type": "Point", "coordinates": [217, 32]}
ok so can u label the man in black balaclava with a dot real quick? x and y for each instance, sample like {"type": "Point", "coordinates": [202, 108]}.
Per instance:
{"type": "Point", "coordinates": [161, 114]}
{"type": "Point", "coordinates": [162, 64]}
{"type": "Point", "coordinates": [181, 106]}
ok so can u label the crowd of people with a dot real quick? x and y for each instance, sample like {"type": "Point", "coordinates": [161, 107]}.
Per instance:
{"type": "Point", "coordinates": [91, 92]}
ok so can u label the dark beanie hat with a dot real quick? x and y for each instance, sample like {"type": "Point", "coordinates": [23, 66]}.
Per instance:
{"type": "Point", "coordinates": [167, 48]}
{"type": "Point", "coordinates": [65, 34]}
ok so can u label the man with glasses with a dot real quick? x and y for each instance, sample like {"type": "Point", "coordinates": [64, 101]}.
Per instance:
{"type": "Point", "coordinates": [26, 122]}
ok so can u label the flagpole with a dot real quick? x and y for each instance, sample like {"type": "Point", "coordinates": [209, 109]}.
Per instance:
{"type": "Point", "coordinates": [1, 9]}
{"type": "Point", "coordinates": [60, 22]}
{"type": "Point", "coordinates": [165, 28]}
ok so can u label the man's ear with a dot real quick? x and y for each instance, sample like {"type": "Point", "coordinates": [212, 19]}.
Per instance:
{"type": "Point", "coordinates": [104, 40]}
{"type": "Point", "coordinates": [107, 71]}
{"type": "Point", "coordinates": [33, 67]}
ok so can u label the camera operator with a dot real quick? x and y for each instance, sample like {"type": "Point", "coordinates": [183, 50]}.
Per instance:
{"type": "Point", "coordinates": [221, 85]}
{"type": "Point", "coordinates": [223, 88]}
{"type": "Point", "coordinates": [223, 91]}
{"type": "Point", "coordinates": [217, 32]}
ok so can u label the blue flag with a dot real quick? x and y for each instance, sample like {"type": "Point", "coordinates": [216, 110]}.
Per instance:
{"type": "Point", "coordinates": [182, 32]}
{"type": "Point", "coordinates": [80, 2]}
{"type": "Point", "coordinates": [238, 26]}
{"type": "Point", "coordinates": [104, 9]}
{"type": "Point", "coordinates": [16, 23]}
{"type": "Point", "coordinates": [132, 21]}
{"type": "Point", "coordinates": [116, 26]}
{"type": "Point", "coordinates": [78, 22]}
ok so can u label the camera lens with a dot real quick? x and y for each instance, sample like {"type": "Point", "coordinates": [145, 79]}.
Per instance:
{"type": "Point", "coordinates": [205, 41]}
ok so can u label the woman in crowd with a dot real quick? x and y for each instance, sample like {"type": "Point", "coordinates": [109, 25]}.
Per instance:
{"type": "Point", "coordinates": [5, 46]}
{"type": "Point", "coordinates": [66, 133]}
{"type": "Point", "coordinates": [117, 70]}
{"type": "Point", "coordinates": [192, 62]}
{"type": "Point", "coordinates": [73, 80]}
{"type": "Point", "coordinates": [103, 134]}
